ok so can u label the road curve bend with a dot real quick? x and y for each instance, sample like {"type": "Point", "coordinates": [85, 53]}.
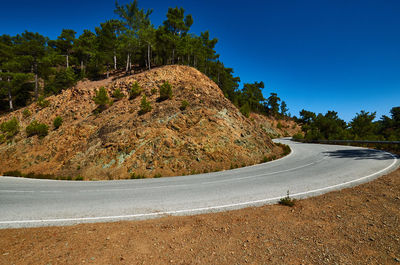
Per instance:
{"type": "Point", "coordinates": [309, 170]}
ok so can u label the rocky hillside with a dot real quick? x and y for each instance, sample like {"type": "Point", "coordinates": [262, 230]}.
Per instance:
{"type": "Point", "coordinates": [210, 134]}
{"type": "Point", "coordinates": [276, 127]}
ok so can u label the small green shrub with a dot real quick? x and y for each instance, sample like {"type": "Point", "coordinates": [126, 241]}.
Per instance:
{"type": "Point", "coordinates": [13, 173]}
{"type": "Point", "coordinates": [158, 175]}
{"type": "Point", "coordinates": [79, 178]}
{"type": "Point", "coordinates": [287, 201]}
{"type": "Point", "coordinates": [33, 175]}
{"type": "Point", "coordinates": [9, 128]}
{"type": "Point", "coordinates": [245, 110]}
{"type": "Point", "coordinates": [144, 106]}
{"type": "Point", "coordinates": [279, 125]}
{"type": "Point", "coordinates": [26, 113]}
{"type": "Point", "coordinates": [266, 159]}
{"type": "Point", "coordinates": [184, 105]}
{"type": "Point", "coordinates": [57, 122]}
{"type": "Point", "coordinates": [101, 99]}
{"type": "Point", "coordinates": [117, 94]}
{"type": "Point", "coordinates": [153, 90]}
{"type": "Point", "coordinates": [42, 102]}
{"type": "Point", "coordinates": [298, 136]}
{"type": "Point", "coordinates": [137, 176]}
{"type": "Point", "coordinates": [36, 128]}
{"type": "Point", "coordinates": [165, 91]}
{"type": "Point", "coordinates": [135, 91]}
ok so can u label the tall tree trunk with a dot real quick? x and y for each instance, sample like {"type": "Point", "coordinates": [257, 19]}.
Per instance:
{"type": "Point", "coordinates": [148, 56]}
{"type": "Point", "coordinates": [173, 56]}
{"type": "Point", "coordinates": [82, 66]}
{"type": "Point", "coordinates": [67, 61]}
{"type": "Point", "coordinates": [108, 71]}
{"type": "Point", "coordinates": [9, 94]}
{"type": "Point", "coordinates": [115, 61]}
{"type": "Point", "coordinates": [36, 83]}
{"type": "Point", "coordinates": [127, 63]}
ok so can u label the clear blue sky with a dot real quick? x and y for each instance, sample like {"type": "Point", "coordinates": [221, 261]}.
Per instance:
{"type": "Point", "coordinates": [316, 54]}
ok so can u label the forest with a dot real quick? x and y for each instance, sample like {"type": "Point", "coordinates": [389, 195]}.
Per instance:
{"type": "Point", "coordinates": [363, 126]}
{"type": "Point", "coordinates": [32, 66]}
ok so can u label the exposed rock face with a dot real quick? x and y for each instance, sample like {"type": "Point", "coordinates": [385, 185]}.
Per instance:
{"type": "Point", "coordinates": [210, 134]}
{"type": "Point", "coordinates": [275, 127]}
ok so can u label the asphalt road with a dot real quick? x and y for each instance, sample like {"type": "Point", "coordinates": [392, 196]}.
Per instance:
{"type": "Point", "coordinates": [310, 169]}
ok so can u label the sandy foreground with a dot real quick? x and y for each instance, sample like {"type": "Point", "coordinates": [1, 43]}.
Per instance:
{"type": "Point", "coordinates": [360, 225]}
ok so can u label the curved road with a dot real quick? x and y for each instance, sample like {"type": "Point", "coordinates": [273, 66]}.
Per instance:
{"type": "Point", "coordinates": [310, 169]}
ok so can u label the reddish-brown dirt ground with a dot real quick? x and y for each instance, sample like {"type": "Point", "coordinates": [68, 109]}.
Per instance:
{"type": "Point", "coordinates": [359, 225]}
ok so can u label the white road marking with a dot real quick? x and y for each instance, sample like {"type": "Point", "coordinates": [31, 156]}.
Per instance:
{"type": "Point", "coordinates": [198, 210]}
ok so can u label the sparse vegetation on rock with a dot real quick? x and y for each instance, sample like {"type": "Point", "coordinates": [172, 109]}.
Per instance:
{"type": "Point", "coordinates": [36, 128]}
{"type": "Point", "coordinates": [57, 122]}
{"type": "Point", "coordinates": [135, 91]}
{"type": "Point", "coordinates": [9, 129]}
{"type": "Point", "coordinates": [165, 91]}
{"type": "Point", "coordinates": [43, 102]}
{"type": "Point", "coordinates": [184, 105]}
{"type": "Point", "coordinates": [209, 135]}
{"type": "Point", "coordinates": [117, 94]}
{"type": "Point", "coordinates": [101, 99]}
{"type": "Point", "coordinates": [26, 113]}
{"type": "Point", "coordinates": [144, 106]}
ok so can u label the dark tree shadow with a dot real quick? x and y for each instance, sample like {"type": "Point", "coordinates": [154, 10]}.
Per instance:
{"type": "Point", "coordinates": [360, 154]}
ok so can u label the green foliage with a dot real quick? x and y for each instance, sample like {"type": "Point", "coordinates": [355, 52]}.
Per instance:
{"type": "Point", "coordinates": [57, 122]}
{"type": "Point", "coordinates": [273, 104]}
{"type": "Point", "coordinates": [13, 173]}
{"type": "Point", "coordinates": [137, 176]}
{"type": "Point", "coordinates": [133, 39]}
{"type": "Point", "coordinates": [165, 91]}
{"type": "Point", "coordinates": [287, 201]}
{"type": "Point", "coordinates": [245, 110]}
{"type": "Point", "coordinates": [63, 79]}
{"type": "Point", "coordinates": [117, 94]}
{"type": "Point", "coordinates": [9, 128]}
{"type": "Point", "coordinates": [184, 105]}
{"type": "Point", "coordinates": [135, 91]}
{"type": "Point", "coordinates": [42, 102]}
{"type": "Point", "coordinates": [102, 99]}
{"type": "Point", "coordinates": [78, 178]}
{"type": "Point", "coordinates": [32, 175]}
{"type": "Point", "coordinates": [284, 109]}
{"type": "Point", "coordinates": [252, 96]}
{"type": "Point", "coordinates": [36, 128]}
{"type": "Point", "coordinates": [298, 136]}
{"type": "Point", "coordinates": [144, 106]}
{"type": "Point", "coordinates": [158, 175]}
{"type": "Point", "coordinates": [362, 126]}
{"type": "Point", "coordinates": [153, 91]}
{"type": "Point", "coordinates": [26, 113]}
{"type": "Point", "coordinates": [279, 125]}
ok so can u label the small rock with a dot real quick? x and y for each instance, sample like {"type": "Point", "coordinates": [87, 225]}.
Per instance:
{"type": "Point", "coordinates": [5, 254]}
{"type": "Point", "coordinates": [371, 239]}
{"type": "Point", "coordinates": [338, 216]}
{"type": "Point", "coordinates": [397, 260]}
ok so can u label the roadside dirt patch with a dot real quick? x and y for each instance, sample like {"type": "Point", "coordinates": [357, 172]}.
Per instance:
{"type": "Point", "coordinates": [360, 225]}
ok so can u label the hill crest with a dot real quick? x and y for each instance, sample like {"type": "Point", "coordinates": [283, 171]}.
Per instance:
{"type": "Point", "coordinates": [210, 134]}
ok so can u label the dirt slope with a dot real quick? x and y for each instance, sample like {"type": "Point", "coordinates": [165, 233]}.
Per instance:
{"type": "Point", "coordinates": [276, 127]}
{"type": "Point", "coordinates": [211, 134]}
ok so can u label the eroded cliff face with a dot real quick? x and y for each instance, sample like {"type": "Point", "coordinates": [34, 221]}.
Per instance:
{"type": "Point", "coordinates": [210, 134]}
